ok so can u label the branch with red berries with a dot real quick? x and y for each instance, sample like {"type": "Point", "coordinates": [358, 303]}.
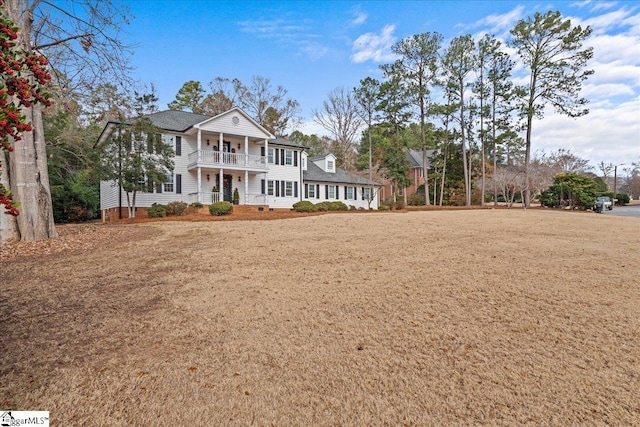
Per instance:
{"type": "Point", "coordinates": [23, 76]}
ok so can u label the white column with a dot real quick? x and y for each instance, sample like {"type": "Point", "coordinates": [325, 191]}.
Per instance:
{"type": "Point", "coordinates": [246, 187]}
{"type": "Point", "coordinates": [266, 174]}
{"type": "Point", "coordinates": [221, 186]}
{"type": "Point", "coordinates": [199, 177]}
{"type": "Point", "coordinates": [199, 146]}
{"type": "Point", "coordinates": [246, 150]}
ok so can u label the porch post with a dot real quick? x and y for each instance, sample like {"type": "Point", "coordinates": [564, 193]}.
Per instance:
{"type": "Point", "coordinates": [266, 174]}
{"type": "Point", "coordinates": [221, 186]}
{"type": "Point", "coordinates": [199, 178]}
{"type": "Point", "coordinates": [199, 148]}
{"type": "Point", "coordinates": [246, 150]}
{"type": "Point", "coordinates": [246, 187]}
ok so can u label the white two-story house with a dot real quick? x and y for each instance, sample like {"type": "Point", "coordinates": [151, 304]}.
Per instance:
{"type": "Point", "coordinates": [216, 155]}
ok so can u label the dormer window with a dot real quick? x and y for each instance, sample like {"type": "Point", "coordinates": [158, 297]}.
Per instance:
{"type": "Point", "coordinates": [330, 165]}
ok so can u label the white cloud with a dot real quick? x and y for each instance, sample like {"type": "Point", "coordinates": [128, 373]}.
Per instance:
{"type": "Point", "coordinates": [297, 35]}
{"type": "Point", "coordinates": [313, 50]}
{"type": "Point", "coordinates": [499, 23]}
{"type": "Point", "coordinates": [609, 134]}
{"type": "Point", "coordinates": [359, 19]}
{"type": "Point", "coordinates": [374, 47]}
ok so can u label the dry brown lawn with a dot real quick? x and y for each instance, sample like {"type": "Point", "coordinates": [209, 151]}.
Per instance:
{"type": "Point", "coordinates": [491, 317]}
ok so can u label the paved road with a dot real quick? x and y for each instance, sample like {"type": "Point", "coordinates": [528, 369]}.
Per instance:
{"type": "Point", "coordinates": [633, 211]}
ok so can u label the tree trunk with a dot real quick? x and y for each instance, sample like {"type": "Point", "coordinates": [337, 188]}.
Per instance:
{"type": "Point", "coordinates": [425, 171]}
{"type": "Point", "coordinates": [28, 176]}
{"type": "Point", "coordinates": [527, 159]}
{"type": "Point", "coordinates": [8, 224]}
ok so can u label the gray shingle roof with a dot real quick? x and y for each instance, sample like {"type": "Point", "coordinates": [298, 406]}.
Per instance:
{"type": "Point", "coordinates": [341, 176]}
{"type": "Point", "coordinates": [177, 121]}
{"type": "Point", "coordinates": [286, 143]}
{"type": "Point", "coordinates": [415, 157]}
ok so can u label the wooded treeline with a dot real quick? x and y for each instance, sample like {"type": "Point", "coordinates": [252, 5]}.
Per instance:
{"type": "Point", "coordinates": [458, 99]}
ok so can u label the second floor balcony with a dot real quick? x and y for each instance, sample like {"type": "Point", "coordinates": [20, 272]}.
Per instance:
{"type": "Point", "coordinates": [217, 159]}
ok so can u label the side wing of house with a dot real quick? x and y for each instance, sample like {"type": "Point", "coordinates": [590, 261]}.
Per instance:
{"type": "Point", "coordinates": [323, 181]}
{"type": "Point", "coordinates": [282, 185]}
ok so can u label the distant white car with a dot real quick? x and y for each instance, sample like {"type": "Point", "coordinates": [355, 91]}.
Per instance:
{"type": "Point", "coordinates": [602, 203]}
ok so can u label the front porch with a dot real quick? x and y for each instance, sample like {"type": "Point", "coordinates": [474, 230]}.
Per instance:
{"type": "Point", "coordinates": [234, 161]}
{"type": "Point", "coordinates": [207, 198]}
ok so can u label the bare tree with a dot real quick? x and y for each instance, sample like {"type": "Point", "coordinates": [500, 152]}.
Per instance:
{"type": "Point", "coordinates": [222, 97]}
{"type": "Point", "coordinates": [510, 182]}
{"type": "Point", "coordinates": [81, 40]}
{"type": "Point", "coordinates": [270, 107]}
{"type": "Point", "coordinates": [340, 116]}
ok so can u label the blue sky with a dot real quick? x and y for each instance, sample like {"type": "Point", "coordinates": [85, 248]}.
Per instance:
{"type": "Point", "coordinates": [312, 47]}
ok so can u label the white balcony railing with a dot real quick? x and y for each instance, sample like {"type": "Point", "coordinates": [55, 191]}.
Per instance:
{"type": "Point", "coordinates": [208, 198]}
{"type": "Point", "coordinates": [205, 158]}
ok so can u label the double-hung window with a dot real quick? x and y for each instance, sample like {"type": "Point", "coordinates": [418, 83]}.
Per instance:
{"type": "Point", "coordinates": [288, 189]}
{"type": "Point", "coordinates": [270, 190]}
{"type": "Point", "coordinates": [332, 191]}
{"type": "Point", "coordinates": [270, 155]}
{"type": "Point", "coordinates": [349, 194]}
{"type": "Point", "coordinates": [288, 157]}
{"type": "Point", "coordinates": [168, 184]}
{"type": "Point", "coordinates": [311, 191]}
{"type": "Point", "coordinates": [366, 193]}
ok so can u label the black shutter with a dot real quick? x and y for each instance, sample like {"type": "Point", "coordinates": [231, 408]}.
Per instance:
{"type": "Point", "coordinates": [178, 146]}
{"type": "Point", "coordinates": [345, 192]}
{"type": "Point", "coordinates": [282, 190]}
{"type": "Point", "coordinates": [159, 188]}
{"type": "Point", "coordinates": [295, 158]}
{"type": "Point", "coordinates": [306, 191]}
{"type": "Point", "coordinates": [262, 151]}
{"type": "Point", "coordinates": [178, 184]}
{"type": "Point", "coordinates": [337, 192]}
{"type": "Point", "coordinates": [262, 183]}
{"type": "Point", "coordinates": [277, 156]}
{"type": "Point", "coordinates": [362, 193]}
{"type": "Point", "coordinates": [150, 138]}
{"type": "Point", "coordinates": [282, 157]}
{"type": "Point", "coordinates": [295, 188]}
{"type": "Point", "coordinates": [317, 191]}
{"type": "Point", "coordinates": [326, 191]}
{"type": "Point", "coordinates": [277, 185]}
{"type": "Point", "coordinates": [149, 186]}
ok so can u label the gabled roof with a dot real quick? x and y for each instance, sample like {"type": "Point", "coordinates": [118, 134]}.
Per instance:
{"type": "Point", "coordinates": [182, 121]}
{"type": "Point", "coordinates": [177, 121]}
{"type": "Point", "coordinates": [321, 156]}
{"type": "Point", "coordinates": [415, 157]}
{"type": "Point", "coordinates": [340, 176]}
{"type": "Point", "coordinates": [286, 143]}
{"type": "Point", "coordinates": [230, 112]}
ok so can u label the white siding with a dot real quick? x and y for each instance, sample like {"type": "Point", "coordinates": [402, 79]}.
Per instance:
{"type": "Point", "coordinates": [321, 195]}
{"type": "Point", "coordinates": [108, 195]}
{"type": "Point", "coordinates": [285, 173]}
{"type": "Point", "coordinates": [225, 123]}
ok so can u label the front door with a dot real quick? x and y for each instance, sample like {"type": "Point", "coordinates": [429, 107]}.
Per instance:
{"type": "Point", "coordinates": [226, 149]}
{"type": "Point", "coordinates": [226, 188]}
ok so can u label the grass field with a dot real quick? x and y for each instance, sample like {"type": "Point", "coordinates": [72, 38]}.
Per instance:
{"type": "Point", "coordinates": [487, 317]}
